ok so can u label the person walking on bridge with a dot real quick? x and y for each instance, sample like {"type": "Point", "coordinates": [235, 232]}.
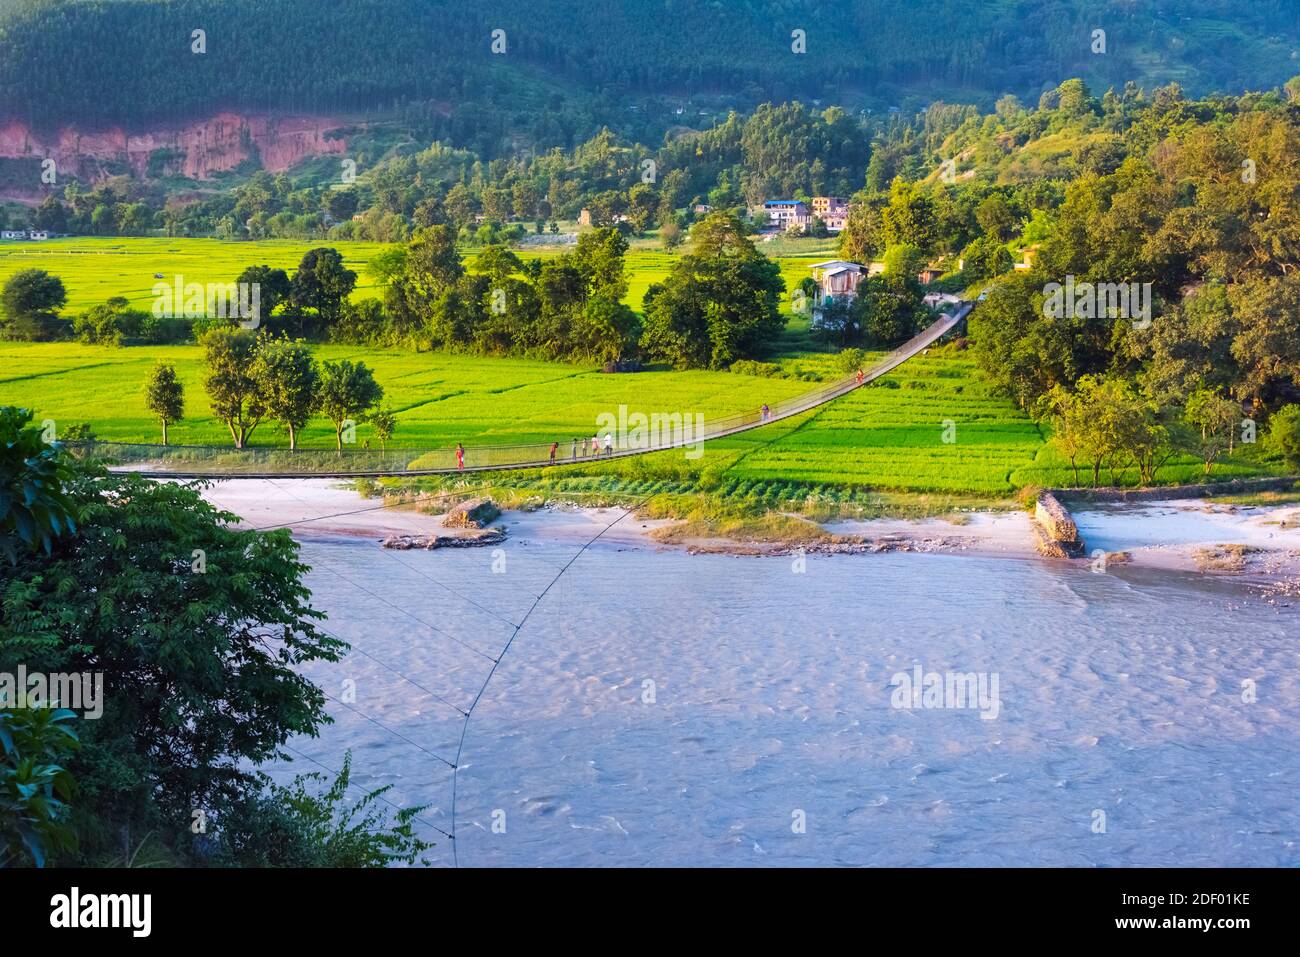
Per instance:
{"type": "Point", "coordinates": [554, 448]}
{"type": "Point", "coordinates": [595, 446]}
{"type": "Point", "coordinates": [766, 413]}
{"type": "Point", "coordinates": [573, 452]}
{"type": "Point", "coordinates": [460, 457]}
{"type": "Point", "coordinates": [860, 377]}
{"type": "Point", "coordinates": [609, 444]}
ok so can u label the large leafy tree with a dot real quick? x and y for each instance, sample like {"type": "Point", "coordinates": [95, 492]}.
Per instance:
{"type": "Point", "coordinates": [29, 305]}
{"type": "Point", "coordinates": [199, 629]}
{"type": "Point", "coordinates": [322, 284]}
{"type": "Point", "coordinates": [234, 391]}
{"type": "Point", "coordinates": [719, 303]}
{"type": "Point", "coordinates": [288, 380]}
{"type": "Point", "coordinates": [347, 391]}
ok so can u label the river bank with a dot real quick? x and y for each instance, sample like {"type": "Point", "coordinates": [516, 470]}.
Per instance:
{"type": "Point", "coordinates": [1252, 541]}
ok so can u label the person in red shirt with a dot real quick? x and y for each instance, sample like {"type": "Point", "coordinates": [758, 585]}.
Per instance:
{"type": "Point", "coordinates": [460, 456]}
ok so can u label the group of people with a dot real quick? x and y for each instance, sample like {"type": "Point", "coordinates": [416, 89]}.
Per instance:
{"type": "Point", "coordinates": [580, 448]}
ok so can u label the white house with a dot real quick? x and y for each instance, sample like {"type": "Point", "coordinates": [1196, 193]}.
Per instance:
{"type": "Point", "coordinates": [787, 213]}
{"type": "Point", "coordinates": [13, 234]}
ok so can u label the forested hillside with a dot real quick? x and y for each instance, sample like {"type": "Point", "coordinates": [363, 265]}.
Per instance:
{"type": "Point", "coordinates": [572, 65]}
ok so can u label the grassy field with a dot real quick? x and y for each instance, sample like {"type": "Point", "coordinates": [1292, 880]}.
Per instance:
{"type": "Point", "coordinates": [888, 436]}
{"type": "Point", "coordinates": [880, 436]}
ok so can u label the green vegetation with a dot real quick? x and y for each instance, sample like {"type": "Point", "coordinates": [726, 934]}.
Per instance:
{"type": "Point", "coordinates": [196, 631]}
{"type": "Point", "coordinates": [435, 57]}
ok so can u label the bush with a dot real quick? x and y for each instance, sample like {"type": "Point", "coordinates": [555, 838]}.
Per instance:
{"type": "Point", "coordinates": [851, 360]}
{"type": "Point", "coordinates": [764, 370]}
{"type": "Point", "coordinates": [1284, 435]}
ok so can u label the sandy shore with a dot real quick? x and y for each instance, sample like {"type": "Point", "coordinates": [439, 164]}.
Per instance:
{"type": "Point", "coordinates": [1193, 535]}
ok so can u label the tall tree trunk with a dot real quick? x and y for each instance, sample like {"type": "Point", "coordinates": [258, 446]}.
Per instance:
{"type": "Point", "coordinates": [293, 439]}
{"type": "Point", "coordinates": [164, 423]}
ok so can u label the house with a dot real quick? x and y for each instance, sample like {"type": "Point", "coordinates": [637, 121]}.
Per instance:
{"type": "Point", "coordinates": [831, 210]}
{"type": "Point", "coordinates": [837, 279]}
{"type": "Point", "coordinates": [929, 274]}
{"type": "Point", "coordinates": [702, 208]}
{"type": "Point", "coordinates": [787, 213]}
{"type": "Point", "coordinates": [13, 234]}
{"type": "Point", "coordinates": [38, 234]}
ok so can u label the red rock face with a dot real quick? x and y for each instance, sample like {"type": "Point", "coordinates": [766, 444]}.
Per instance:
{"type": "Point", "coordinates": [196, 150]}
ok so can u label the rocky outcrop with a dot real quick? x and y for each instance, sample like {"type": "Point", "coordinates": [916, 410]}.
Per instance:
{"type": "Point", "coordinates": [485, 536]}
{"type": "Point", "coordinates": [472, 513]}
{"type": "Point", "coordinates": [196, 150]}
{"type": "Point", "coordinates": [1055, 534]}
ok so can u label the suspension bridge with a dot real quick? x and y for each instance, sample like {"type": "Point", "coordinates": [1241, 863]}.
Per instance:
{"type": "Point", "coordinates": [204, 461]}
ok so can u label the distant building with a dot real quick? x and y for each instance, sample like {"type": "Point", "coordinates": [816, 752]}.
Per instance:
{"type": "Point", "coordinates": [702, 208]}
{"type": "Point", "coordinates": [1031, 253]}
{"type": "Point", "coordinates": [37, 234]}
{"type": "Point", "coordinates": [837, 279]}
{"type": "Point", "coordinates": [13, 234]}
{"type": "Point", "coordinates": [787, 213]}
{"type": "Point", "coordinates": [831, 210]}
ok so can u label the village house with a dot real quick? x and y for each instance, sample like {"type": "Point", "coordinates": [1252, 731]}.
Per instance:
{"type": "Point", "coordinates": [787, 213]}
{"type": "Point", "coordinates": [837, 279]}
{"type": "Point", "coordinates": [831, 210]}
{"type": "Point", "coordinates": [25, 234]}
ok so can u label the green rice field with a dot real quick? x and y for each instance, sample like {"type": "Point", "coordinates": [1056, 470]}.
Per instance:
{"type": "Point", "coordinates": [889, 435]}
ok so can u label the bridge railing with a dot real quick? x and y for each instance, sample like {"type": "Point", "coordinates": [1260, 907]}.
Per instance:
{"type": "Point", "coordinates": [199, 461]}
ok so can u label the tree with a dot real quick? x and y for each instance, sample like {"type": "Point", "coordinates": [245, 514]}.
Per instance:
{"type": "Point", "coordinates": [910, 217]}
{"type": "Point", "coordinates": [995, 217]}
{"type": "Point", "coordinates": [347, 392]}
{"type": "Point", "coordinates": [35, 784]}
{"type": "Point", "coordinates": [888, 309]}
{"type": "Point", "coordinates": [1284, 435]}
{"type": "Point", "coordinates": [384, 423]}
{"type": "Point", "coordinates": [164, 396]}
{"type": "Point", "coordinates": [985, 258]}
{"type": "Point", "coordinates": [1212, 422]}
{"type": "Point", "coordinates": [110, 322]}
{"type": "Point", "coordinates": [29, 305]}
{"type": "Point", "coordinates": [34, 510]}
{"type": "Point", "coordinates": [235, 394]}
{"type": "Point", "coordinates": [719, 302]}
{"type": "Point", "coordinates": [273, 287]}
{"type": "Point", "coordinates": [212, 660]}
{"type": "Point", "coordinates": [287, 379]}
{"type": "Point", "coordinates": [322, 283]}
{"type": "Point", "coordinates": [904, 261]}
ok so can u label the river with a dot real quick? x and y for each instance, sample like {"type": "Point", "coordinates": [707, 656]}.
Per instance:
{"type": "Point", "coordinates": [661, 708]}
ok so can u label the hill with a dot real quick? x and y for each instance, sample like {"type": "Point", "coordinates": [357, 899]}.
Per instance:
{"type": "Point", "coordinates": [569, 66]}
